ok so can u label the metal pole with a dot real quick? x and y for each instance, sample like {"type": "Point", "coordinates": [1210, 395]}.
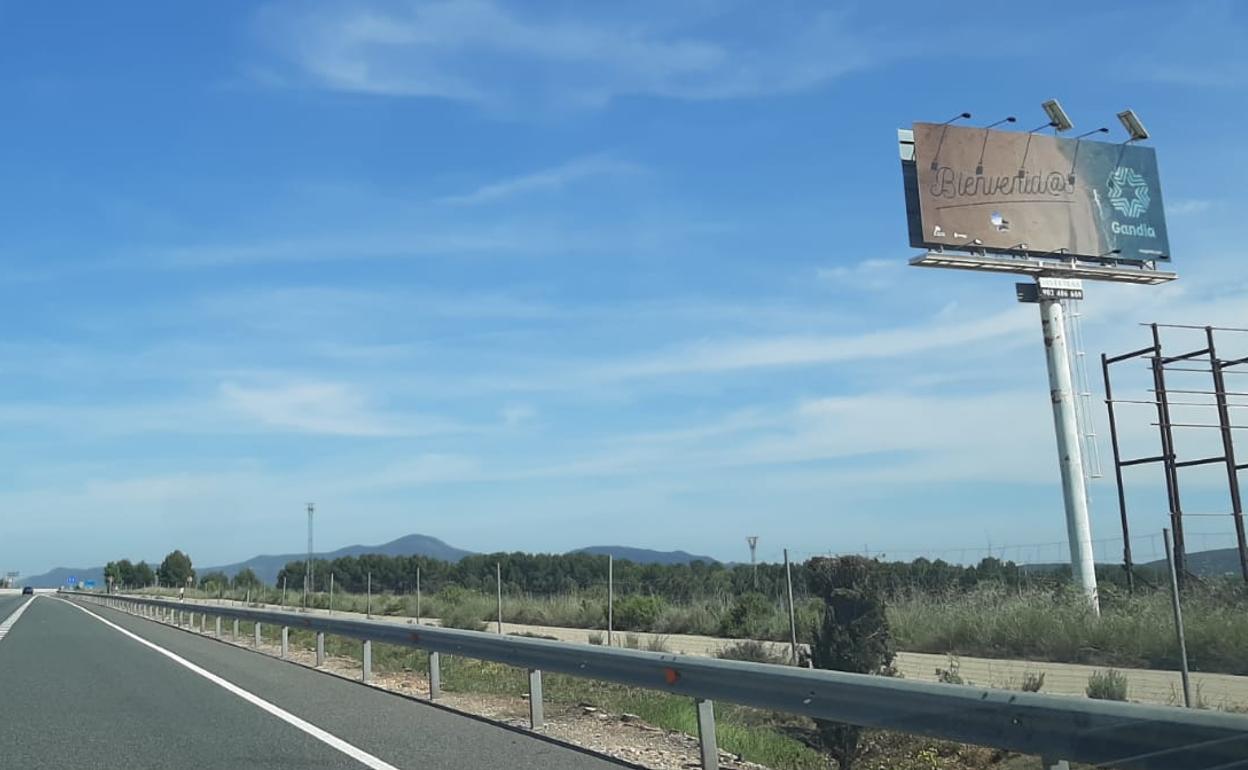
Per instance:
{"type": "Point", "coordinates": [536, 718]}
{"type": "Point", "coordinates": [1178, 619]}
{"type": "Point", "coordinates": [307, 571]}
{"type": "Point", "coordinates": [331, 593]}
{"type": "Point", "coordinates": [706, 734]}
{"type": "Point", "coordinates": [418, 594]}
{"type": "Point", "coordinates": [369, 601]}
{"type": "Point", "coordinates": [435, 676]}
{"type": "Point", "coordinates": [788, 579]}
{"type": "Point", "coordinates": [1122, 494]}
{"type": "Point", "coordinates": [1169, 457]}
{"type": "Point", "coordinates": [1228, 447]}
{"type": "Point", "coordinates": [320, 648]}
{"type": "Point", "coordinates": [285, 642]}
{"type": "Point", "coordinates": [1069, 451]}
{"type": "Point", "coordinates": [498, 576]}
{"type": "Point", "coordinates": [610, 598]}
{"type": "Point", "coordinates": [283, 590]}
{"type": "Point", "coordinates": [367, 672]}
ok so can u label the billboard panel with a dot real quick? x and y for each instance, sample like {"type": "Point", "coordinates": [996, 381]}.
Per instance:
{"type": "Point", "coordinates": [1088, 199]}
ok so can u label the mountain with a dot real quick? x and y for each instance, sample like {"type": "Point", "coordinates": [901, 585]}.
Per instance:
{"type": "Point", "coordinates": [645, 555]}
{"type": "Point", "coordinates": [267, 566]}
{"type": "Point", "coordinates": [59, 577]}
{"type": "Point", "coordinates": [1220, 561]}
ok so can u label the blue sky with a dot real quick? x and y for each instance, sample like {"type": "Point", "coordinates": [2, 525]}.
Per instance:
{"type": "Point", "coordinates": [544, 275]}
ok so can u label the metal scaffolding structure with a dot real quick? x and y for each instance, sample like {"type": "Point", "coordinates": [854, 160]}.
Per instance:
{"type": "Point", "coordinates": [1202, 360]}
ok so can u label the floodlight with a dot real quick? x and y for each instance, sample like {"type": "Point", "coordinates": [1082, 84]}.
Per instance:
{"type": "Point", "coordinates": [959, 116]}
{"type": "Point", "coordinates": [1093, 131]}
{"type": "Point", "coordinates": [1131, 122]}
{"type": "Point", "coordinates": [1110, 253]}
{"type": "Point", "coordinates": [1009, 119]}
{"type": "Point", "coordinates": [1057, 116]}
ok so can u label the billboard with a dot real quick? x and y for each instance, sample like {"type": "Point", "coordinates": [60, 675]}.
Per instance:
{"type": "Point", "coordinates": [1014, 192]}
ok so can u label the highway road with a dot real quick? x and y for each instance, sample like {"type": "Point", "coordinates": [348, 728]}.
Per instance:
{"type": "Point", "coordinates": [96, 688]}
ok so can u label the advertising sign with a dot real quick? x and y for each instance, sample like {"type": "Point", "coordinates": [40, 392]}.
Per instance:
{"type": "Point", "coordinates": [1015, 192]}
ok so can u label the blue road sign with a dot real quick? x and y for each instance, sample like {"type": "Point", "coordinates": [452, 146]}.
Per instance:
{"type": "Point", "coordinates": [89, 583]}
{"type": "Point", "coordinates": [72, 580]}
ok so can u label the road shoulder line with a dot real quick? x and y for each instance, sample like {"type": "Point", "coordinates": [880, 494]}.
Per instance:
{"type": "Point", "coordinates": [11, 620]}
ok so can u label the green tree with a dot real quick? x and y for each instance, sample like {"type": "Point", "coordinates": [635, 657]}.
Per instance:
{"type": "Point", "coordinates": [143, 575]}
{"type": "Point", "coordinates": [246, 578]}
{"type": "Point", "coordinates": [175, 569]}
{"type": "Point", "coordinates": [214, 581]}
{"type": "Point", "coordinates": [853, 636]}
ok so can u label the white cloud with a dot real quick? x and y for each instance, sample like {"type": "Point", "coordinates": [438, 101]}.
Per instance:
{"type": "Point", "coordinates": [867, 275]}
{"type": "Point", "coordinates": [324, 408]}
{"type": "Point", "coordinates": [1186, 206]}
{"type": "Point", "coordinates": [547, 180]}
{"type": "Point", "coordinates": [485, 52]}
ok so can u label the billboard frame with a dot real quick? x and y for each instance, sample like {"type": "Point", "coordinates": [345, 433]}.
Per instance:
{"type": "Point", "coordinates": [1020, 261]}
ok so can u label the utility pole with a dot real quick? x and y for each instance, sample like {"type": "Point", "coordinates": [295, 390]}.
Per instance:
{"type": "Point", "coordinates": [1069, 449]}
{"type": "Point", "coordinates": [308, 569]}
{"type": "Point", "coordinates": [753, 541]}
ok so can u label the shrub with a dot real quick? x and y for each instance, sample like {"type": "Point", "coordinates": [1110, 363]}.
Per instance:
{"type": "Point", "coordinates": [658, 644]}
{"type": "Point", "coordinates": [952, 674]}
{"type": "Point", "coordinates": [637, 613]}
{"type": "Point", "coordinates": [1032, 682]}
{"type": "Point", "coordinates": [748, 617]}
{"type": "Point", "coordinates": [752, 651]}
{"type": "Point", "coordinates": [1107, 685]}
{"type": "Point", "coordinates": [597, 638]}
{"type": "Point", "coordinates": [853, 636]}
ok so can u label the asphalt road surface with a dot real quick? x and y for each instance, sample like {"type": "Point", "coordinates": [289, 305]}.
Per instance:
{"type": "Point", "coordinates": [78, 692]}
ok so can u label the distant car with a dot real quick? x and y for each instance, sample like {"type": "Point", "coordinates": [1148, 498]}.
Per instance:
{"type": "Point", "coordinates": [28, 590]}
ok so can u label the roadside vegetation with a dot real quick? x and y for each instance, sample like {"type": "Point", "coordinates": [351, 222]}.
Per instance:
{"type": "Point", "coordinates": [993, 609]}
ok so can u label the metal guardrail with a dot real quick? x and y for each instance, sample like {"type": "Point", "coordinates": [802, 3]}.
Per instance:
{"type": "Point", "coordinates": [1096, 732]}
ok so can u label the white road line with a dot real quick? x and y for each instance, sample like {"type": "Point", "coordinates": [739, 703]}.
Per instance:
{"type": "Point", "coordinates": [333, 741]}
{"type": "Point", "coordinates": [8, 623]}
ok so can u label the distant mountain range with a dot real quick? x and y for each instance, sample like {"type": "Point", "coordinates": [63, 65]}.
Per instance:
{"type": "Point", "coordinates": [1220, 561]}
{"type": "Point", "coordinates": [644, 555]}
{"type": "Point", "coordinates": [267, 566]}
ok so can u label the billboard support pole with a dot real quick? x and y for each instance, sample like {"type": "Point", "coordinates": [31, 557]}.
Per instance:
{"type": "Point", "coordinates": [1069, 451]}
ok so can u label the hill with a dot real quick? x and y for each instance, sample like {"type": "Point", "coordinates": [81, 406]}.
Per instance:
{"type": "Point", "coordinates": [266, 566]}
{"type": "Point", "coordinates": [57, 577]}
{"type": "Point", "coordinates": [1219, 561]}
{"type": "Point", "coordinates": [645, 555]}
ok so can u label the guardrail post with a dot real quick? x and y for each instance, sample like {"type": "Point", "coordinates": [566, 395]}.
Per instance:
{"type": "Point", "coordinates": [536, 719]}
{"type": "Point", "coordinates": [368, 661]}
{"type": "Point", "coordinates": [706, 734]}
{"type": "Point", "coordinates": [320, 648]}
{"type": "Point", "coordinates": [1055, 764]}
{"type": "Point", "coordinates": [234, 636]}
{"type": "Point", "coordinates": [285, 642]}
{"type": "Point", "coordinates": [435, 676]}
{"type": "Point", "coordinates": [257, 636]}
{"type": "Point", "coordinates": [218, 629]}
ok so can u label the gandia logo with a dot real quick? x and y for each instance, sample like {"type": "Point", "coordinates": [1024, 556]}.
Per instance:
{"type": "Point", "coordinates": [1128, 192]}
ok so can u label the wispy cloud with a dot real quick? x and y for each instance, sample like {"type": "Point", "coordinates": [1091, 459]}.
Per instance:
{"type": "Point", "coordinates": [546, 180]}
{"type": "Point", "coordinates": [325, 408]}
{"type": "Point", "coordinates": [869, 275]}
{"type": "Point", "coordinates": [494, 54]}
{"type": "Point", "coordinates": [1186, 206]}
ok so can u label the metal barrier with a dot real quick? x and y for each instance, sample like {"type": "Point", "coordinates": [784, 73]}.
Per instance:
{"type": "Point", "coordinates": [1096, 732]}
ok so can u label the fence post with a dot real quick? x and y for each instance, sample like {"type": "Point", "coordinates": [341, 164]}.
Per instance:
{"type": "Point", "coordinates": [369, 606]}
{"type": "Point", "coordinates": [788, 579]}
{"type": "Point", "coordinates": [331, 593]}
{"type": "Point", "coordinates": [320, 648]}
{"type": "Point", "coordinates": [368, 661]}
{"type": "Point", "coordinates": [435, 676]}
{"type": "Point", "coordinates": [536, 719]}
{"type": "Point", "coordinates": [418, 595]}
{"type": "Point", "coordinates": [1178, 619]}
{"type": "Point", "coordinates": [285, 642]}
{"type": "Point", "coordinates": [498, 582]}
{"type": "Point", "coordinates": [610, 598]}
{"type": "Point", "coordinates": [706, 734]}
